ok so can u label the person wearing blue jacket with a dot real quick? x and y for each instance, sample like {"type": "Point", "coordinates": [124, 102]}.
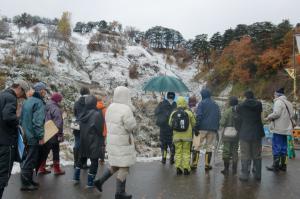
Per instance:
{"type": "Point", "coordinates": [207, 125]}
{"type": "Point", "coordinates": [32, 122]}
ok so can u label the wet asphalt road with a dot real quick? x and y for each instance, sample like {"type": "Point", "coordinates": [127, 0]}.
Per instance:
{"type": "Point", "coordinates": [155, 181]}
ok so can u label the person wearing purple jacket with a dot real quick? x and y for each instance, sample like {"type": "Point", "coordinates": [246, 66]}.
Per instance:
{"type": "Point", "coordinates": [54, 113]}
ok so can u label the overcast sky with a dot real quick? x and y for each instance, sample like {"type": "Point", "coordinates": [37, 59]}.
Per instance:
{"type": "Point", "coordinates": [190, 17]}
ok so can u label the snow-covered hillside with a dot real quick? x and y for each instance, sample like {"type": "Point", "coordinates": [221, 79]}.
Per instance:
{"type": "Point", "coordinates": [101, 71]}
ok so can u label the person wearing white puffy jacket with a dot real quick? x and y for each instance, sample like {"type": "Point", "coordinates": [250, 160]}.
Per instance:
{"type": "Point", "coordinates": [281, 126]}
{"type": "Point", "coordinates": [120, 124]}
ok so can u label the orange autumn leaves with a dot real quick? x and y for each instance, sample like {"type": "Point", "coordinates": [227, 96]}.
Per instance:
{"type": "Point", "coordinates": [242, 62]}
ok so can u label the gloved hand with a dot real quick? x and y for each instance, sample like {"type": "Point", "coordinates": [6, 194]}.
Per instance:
{"type": "Point", "coordinates": [196, 132]}
{"type": "Point", "coordinates": [60, 137]}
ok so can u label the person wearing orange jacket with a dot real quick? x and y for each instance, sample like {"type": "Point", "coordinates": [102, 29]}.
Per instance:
{"type": "Point", "coordinates": [101, 107]}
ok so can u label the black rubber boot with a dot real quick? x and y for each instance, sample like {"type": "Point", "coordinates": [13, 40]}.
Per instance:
{"type": "Point", "coordinates": [98, 183]}
{"type": "Point", "coordinates": [1, 192]}
{"type": "Point", "coordinates": [172, 159]}
{"type": "Point", "coordinates": [120, 193]}
{"type": "Point", "coordinates": [178, 171]}
{"type": "Point", "coordinates": [257, 167]}
{"type": "Point", "coordinates": [275, 165]}
{"type": "Point", "coordinates": [283, 160]}
{"type": "Point", "coordinates": [225, 171]}
{"type": "Point", "coordinates": [186, 172]}
{"type": "Point", "coordinates": [163, 156]}
{"type": "Point", "coordinates": [234, 167]}
{"type": "Point", "coordinates": [244, 175]}
{"type": "Point", "coordinates": [195, 159]}
{"type": "Point", "coordinates": [26, 180]}
{"type": "Point", "coordinates": [208, 156]}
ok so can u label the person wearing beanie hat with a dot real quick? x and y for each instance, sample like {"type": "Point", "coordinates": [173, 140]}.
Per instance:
{"type": "Point", "coordinates": [207, 125]}
{"type": "Point", "coordinates": [54, 113]}
{"type": "Point", "coordinates": [79, 107]}
{"type": "Point", "coordinates": [279, 92]}
{"type": "Point", "coordinates": [33, 121]}
{"type": "Point", "coordinates": [281, 126]}
{"type": "Point", "coordinates": [56, 97]}
{"type": "Point", "coordinates": [230, 144]}
{"type": "Point", "coordinates": [171, 95]}
{"type": "Point", "coordinates": [162, 114]}
{"type": "Point", "coordinates": [251, 132]}
{"type": "Point", "coordinates": [9, 122]}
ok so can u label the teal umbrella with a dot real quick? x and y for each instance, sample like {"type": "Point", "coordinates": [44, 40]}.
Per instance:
{"type": "Point", "coordinates": [165, 83]}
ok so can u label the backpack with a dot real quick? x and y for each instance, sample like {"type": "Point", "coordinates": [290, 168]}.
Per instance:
{"type": "Point", "coordinates": [180, 120]}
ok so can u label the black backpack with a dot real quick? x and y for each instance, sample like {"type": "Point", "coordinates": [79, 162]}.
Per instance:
{"type": "Point", "coordinates": [180, 120]}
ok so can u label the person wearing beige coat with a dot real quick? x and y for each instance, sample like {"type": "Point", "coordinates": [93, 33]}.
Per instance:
{"type": "Point", "coordinates": [120, 124]}
{"type": "Point", "coordinates": [281, 126]}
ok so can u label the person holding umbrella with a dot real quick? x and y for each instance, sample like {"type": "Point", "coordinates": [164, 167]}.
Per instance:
{"type": "Point", "coordinates": [162, 113]}
{"type": "Point", "coordinates": [33, 121]}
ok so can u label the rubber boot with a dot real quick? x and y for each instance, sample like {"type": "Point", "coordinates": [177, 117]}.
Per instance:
{"type": "Point", "coordinates": [26, 181]}
{"type": "Point", "coordinates": [186, 172]}
{"type": "Point", "coordinates": [195, 159]}
{"type": "Point", "coordinates": [179, 171]}
{"type": "Point", "coordinates": [172, 159]}
{"type": "Point", "coordinates": [283, 161]}
{"type": "Point", "coordinates": [90, 180]}
{"type": "Point", "coordinates": [275, 166]}
{"type": "Point", "coordinates": [164, 157]}
{"type": "Point", "coordinates": [57, 169]}
{"type": "Point", "coordinates": [225, 171]}
{"type": "Point", "coordinates": [257, 166]}
{"type": "Point", "coordinates": [98, 183]}
{"type": "Point", "coordinates": [120, 192]}
{"type": "Point", "coordinates": [234, 167]}
{"type": "Point", "coordinates": [76, 177]}
{"type": "Point", "coordinates": [244, 175]}
{"type": "Point", "coordinates": [208, 156]}
{"type": "Point", "coordinates": [1, 192]}
{"type": "Point", "coordinates": [42, 169]}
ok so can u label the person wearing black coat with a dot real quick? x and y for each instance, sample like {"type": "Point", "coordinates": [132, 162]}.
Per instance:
{"type": "Point", "coordinates": [79, 108]}
{"type": "Point", "coordinates": [250, 135]}
{"type": "Point", "coordinates": [162, 113]}
{"type": "Point", "coordinates": [9, 122]}
{"type": "Point", "coordinates": [91, 138]}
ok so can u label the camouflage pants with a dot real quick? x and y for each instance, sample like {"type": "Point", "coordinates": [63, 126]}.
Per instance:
{"type": "Point", "coordinates": [230, 150]}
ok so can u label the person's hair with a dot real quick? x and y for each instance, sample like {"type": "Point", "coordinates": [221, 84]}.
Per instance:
{"type": "Point", "coordinates": [84, 91]}
{"type": "Point", "coordinates": [249, 94]}
{"type": "Point", "coordinates": [233, 101]}
{"type": "Point", "coordinates": [14, 85]}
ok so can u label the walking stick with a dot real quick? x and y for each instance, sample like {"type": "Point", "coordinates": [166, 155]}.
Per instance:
{"type": "Point", "coordinates": [218, 145]}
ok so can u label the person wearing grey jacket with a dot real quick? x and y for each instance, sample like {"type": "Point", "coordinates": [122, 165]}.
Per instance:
{"type": "Point", "coordinates": [281, 126]}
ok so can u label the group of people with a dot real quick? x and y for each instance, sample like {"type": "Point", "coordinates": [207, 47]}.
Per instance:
{"type": "Point", "coordinates": [185, 128]}
{"type": "Point", "coordinates": [28, 118]}
{"type": "Point", "coordinates": [94, 121]}
{"type": "Point", "coordinates": [90, 138]}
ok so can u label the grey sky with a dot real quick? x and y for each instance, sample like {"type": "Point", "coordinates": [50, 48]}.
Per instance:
{"type": "Point", "coordinates": [190, 17]}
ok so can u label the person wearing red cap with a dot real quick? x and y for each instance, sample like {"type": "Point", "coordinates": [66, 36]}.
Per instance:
{"type": "Point", "coordinates": [54, 113]}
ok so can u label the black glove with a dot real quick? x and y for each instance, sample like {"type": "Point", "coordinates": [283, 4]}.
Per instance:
{"type": "Point", "coordinates": [196, 132]}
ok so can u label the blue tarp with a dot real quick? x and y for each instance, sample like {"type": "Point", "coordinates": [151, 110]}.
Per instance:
{"type": "Point", "coordinates": [21, 145]}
